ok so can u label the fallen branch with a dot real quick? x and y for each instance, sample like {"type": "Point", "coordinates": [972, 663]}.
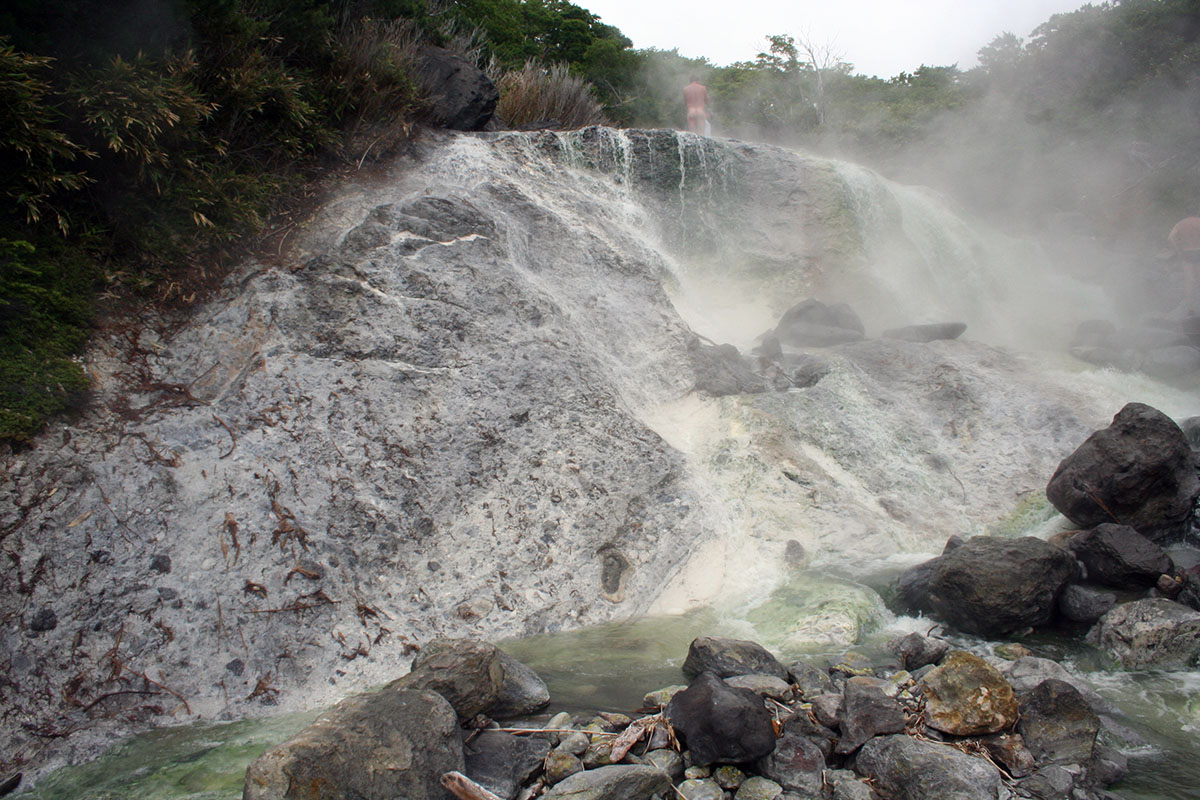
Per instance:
{"type": "Point", "coordinates": [118, 663]}
{"type": "Point", "coordinates": [464, 788]}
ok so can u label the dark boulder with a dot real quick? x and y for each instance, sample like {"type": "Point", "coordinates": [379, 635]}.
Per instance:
{"type": "Point", "coordinates": [915, 650]}
{"type": "Point", "coordinates": [721, 370]}
{"type": "Point", "coordinates": [460, 96]}
{"type": "Point", "coordinates": [1119, 556]}
{"type": "Point", "coordinates": [867, 712]}
{"type": "Point", "coordinates": [504, 763]}
{"type": "Point", "coordinates": [811, 323]}
{"type": "Point", "coordinates": [728, 657]}
{"type": "Point", "coordinates": [476, 677]}
{"type": "Point", "coordinates": [1084, 604]}
{"type": "Point", "coordinates": [796, 763]}
{"type": "Point", "coordinates": [1057, 724]}
{"type": "Point", "coordinates": [1139, 471]}
{"type": "Point", "coordinates": [989, 585]}
{"type": "Point", "coordinates": [905, 768]}
{"type": "Point", "coordinates": [927, 333]}
{"type": "Point", "coordinates": [392, 743]}
{"type": "Point", "coordinates": [720, 724]}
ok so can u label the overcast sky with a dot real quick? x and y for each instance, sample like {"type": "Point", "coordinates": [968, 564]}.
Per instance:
{"type": "Point", "coordinates": [879, 37]}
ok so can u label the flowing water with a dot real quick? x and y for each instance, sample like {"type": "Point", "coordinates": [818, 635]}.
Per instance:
{"type": "Point", "coordinates": [867, 472]}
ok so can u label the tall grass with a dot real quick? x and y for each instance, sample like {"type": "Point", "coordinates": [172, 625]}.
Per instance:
{"type": "Point", "coordinates": [546, 97]}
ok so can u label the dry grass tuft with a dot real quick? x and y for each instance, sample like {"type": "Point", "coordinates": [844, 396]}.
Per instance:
{"type": "Point", "coordinates": [536, 96]}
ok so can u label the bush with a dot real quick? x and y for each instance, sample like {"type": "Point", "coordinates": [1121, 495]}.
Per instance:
{"type": "Point", "coordinates": [535, 95]}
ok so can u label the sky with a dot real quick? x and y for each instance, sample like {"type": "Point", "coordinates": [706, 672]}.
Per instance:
{"type": "Point", "coordinates": [879, 37]}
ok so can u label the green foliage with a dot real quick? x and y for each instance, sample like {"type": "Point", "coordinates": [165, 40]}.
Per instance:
{"type": "Point", "coordinates": [44, 313]}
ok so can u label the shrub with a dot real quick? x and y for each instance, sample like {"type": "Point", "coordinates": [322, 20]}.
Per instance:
{"type": "Point", "coordinates": [535, 95]}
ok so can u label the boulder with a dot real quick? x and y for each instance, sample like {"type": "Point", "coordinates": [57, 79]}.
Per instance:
{"type": "Point", "coordinates": [904, 768]}
{"type": "Point", "coordinates": [1026, 674]}
{"type": "Point", "coordinates": [1057, 724]}
{"type": "Point", "coordinates": [1119, 556]}
{"type": "Point", "coordinates": [728, 657]}
{"type": "Point", "coordinates": [812, 323]}
{"type": "Point", "coordinates": [990, 585]}
{"type": "Point", "coordinates": [1009, 751]}
{"type": "Point", "coordinates": [460, 96]}
{"type": "Point", "coordinates": [1085, 604]}
{"type": "Point", "coordinates": [614, 782]}
{"type": "Point", "coordinates": [721, 724]}
{"type": "Point", "coordinates": [1154, 633]}
{"type": "Point", "coordinates": [915, 650]}
{"type": "Point", "coordinates": [1139, 471]}
{"type": "Point", "coordinates": [396, 742]}
{"type": "Point", "coordinates": [966, 696]}
{"type": "Point", "coordinates": [811, 680]}
{"type": "Point", "coordinates": [762, 685]}
{"type": "Point", "coordinates": [504, 763]}
{"type": "Point", "coordinates": [796, 763]}
{"type": "Point", "coordinates": [867, 712]}
{"type": "Point", "coordinates": [927, 333]}
{"type": "Point", "coordinates": [476, 677]}
{"type": "Point", "coordinates": [721, 370]}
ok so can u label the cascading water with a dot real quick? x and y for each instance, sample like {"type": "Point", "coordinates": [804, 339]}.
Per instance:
{"type": "Point", "coordinates": [799, 505]}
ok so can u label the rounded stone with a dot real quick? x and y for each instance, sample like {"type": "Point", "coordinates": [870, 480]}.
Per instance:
{"type": "Point", "coordinates": [966, 696]}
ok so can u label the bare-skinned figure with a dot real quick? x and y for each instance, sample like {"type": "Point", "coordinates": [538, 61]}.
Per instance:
{"type": "Point", "coordinates": [1185, 241]}
{"type": "Point", "coordinates": [695, 95]}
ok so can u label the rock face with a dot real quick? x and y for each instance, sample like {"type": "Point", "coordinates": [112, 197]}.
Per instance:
{"type": "Point", "coordinates": [990, 585]}
{"type": "Point", "coordinates": [909, 769]}
{"type": "Point", "coordinates": [1155, 633]}
{"type": "Point", "coordinates": [927, 333]}
{"type": "Point", "coordinates": [461, 96]}
{"type": "Point", "coordinates": [966, 696]}
{"type": "Point", "coordinates": [1119, 556]}
{"type": "Point", "coordinates": [391, 743]}
{"type": "Point", "coordinates": [720, 724]}
{"type": "Point", "coordinates": [1139, 471]}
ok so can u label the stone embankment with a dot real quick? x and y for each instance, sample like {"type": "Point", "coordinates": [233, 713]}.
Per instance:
{"type": "Point", "coordinates": [927, 721]}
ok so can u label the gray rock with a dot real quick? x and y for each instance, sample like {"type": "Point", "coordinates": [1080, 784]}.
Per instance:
{"type": "Point", "coordinates": [1108, 765]}
{"type": "Point", "coordinates": [468, 673]}
{"type": "Point", "coordinates": [575, 743]}
{"type": "Point", "coordinates": [807, 370]}
{"type": "Point", "coordinates": [660, 697]}
{"type": "Point", "coordinates": [721, 370]}
{"type": "Point", "coordinates": [904, 768]}
{"type": "Point", "coordinates": [1119, 556]}
{"type": "Point", "coordinates": [966, 696]}
{"type": "Point", "coordinates": [1052, 782]}
{"type": "Point", "coordinates": [796, 763]}
{"type": "Point", "coordinates": [847, 786]}
{"type": "Point", "coordinates": [669, 761]}
{"type": "Point", "coordinates": [1027, 673]}
{"type": "Point", "coordinates": [728, 777]}
{"type": "Point", "coordinates": [867, 712]}
{"type": "Point", "coordinates": [1009, 751]}
{"type": "Point", "coordinates": [809, 679]}
{"type": "Point", "coordinates": [460, 96]}
{"type": "Point", "coordinates": [990, 585]}
{"type": "Point", "coordinates": [927, 333]}
{"type": "Point", "coordinates": [701, 789]}
{"type": "Point", "coordinates": [522, 691]}
{"type": "Point", "coordinates": [616, 782]}
{"type": "Point", "coordinates": [1154, 633]}
{"type": "Point", "coordinates": [720, 724]}
{"type": "Point", "coordinates": [44, 619]}
{"type": "Point", "coordinates": [812, 323]}
{"type": "Point", "coordinates": [1140, 470]}
{"type": "Point", "coordinates": [502, 762]}
{"type": "Point", "coordinates": [758, 788]}
{"type": "Point", "coordinates": [560, 764]}
{"type": "Point", "coordinates": [827, 708]}
{"type": "Point", "coordinates": [1079, 603]}
{"type": "Point", "coordinates": [728, 657]}
{"type": "Point", "coordinates": [392, 743]}
{"type": "Point", "coordinates": [762, 685]}
{"type": "Point", "coordinates": [1057, 724]}
{"type": "Point", "coordinates": [915, 650]}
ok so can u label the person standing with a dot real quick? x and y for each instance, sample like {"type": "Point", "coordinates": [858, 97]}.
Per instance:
{"type": "Point", "coordinates": [1184, 239]}
{"type": "Point", "coordinates": [695, 95]}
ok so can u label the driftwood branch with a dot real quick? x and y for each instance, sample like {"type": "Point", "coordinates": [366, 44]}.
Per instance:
{"type": "Point", "coordinates": [464, 788]}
